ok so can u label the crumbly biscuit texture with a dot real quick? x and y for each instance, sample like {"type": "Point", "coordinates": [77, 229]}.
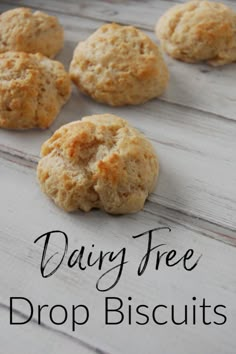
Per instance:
{"type": "Point", "coordinates": [98, 162]}
{"type": "Point", "coordinates": [199, 30]}
{"type": "Point", "coordinates": [31, 32]}
{"type": "Point", "coordinates": [33, 89]}
{"type": "Point", "coordinates": [119, 65]}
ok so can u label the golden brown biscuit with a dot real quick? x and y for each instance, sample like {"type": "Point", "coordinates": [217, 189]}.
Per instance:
{"type": "Point", "coordinates": [33, 88]}
{"type": "Point", "coordinates": [24, 31]}
{"type": "Point", "coordinates": [119, 65]}
{"type": "Point", "coordinates": [98, 162]}
{"type": "Point", "coordinates": [199, 30]}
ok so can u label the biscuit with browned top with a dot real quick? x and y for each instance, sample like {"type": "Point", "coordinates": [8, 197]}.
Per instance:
{"type": "Point", "coordinates": [98, 162]}
{"type": "Point", "coordinates": [33, 88]}
{"type": "Point", "coordinates": [199, 30]}
{"type": "Point", "coordinates": [32, 32]}
{"type": "Point", "coordinates": [119, 65]}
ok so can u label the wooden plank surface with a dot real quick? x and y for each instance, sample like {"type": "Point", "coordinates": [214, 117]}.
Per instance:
{"type": "Point", "coordinates": [193, 130]}
{"type": "Point", "coordinates": [197, 174]}
{"type": "Point", "coordinates": [38, 339]}
{"type": "Point", "coordinates": [213, 90]}
{"type": "Point", "coordinates": [213, 279]}
{"type": "Point", "coordinates": [142, 14]}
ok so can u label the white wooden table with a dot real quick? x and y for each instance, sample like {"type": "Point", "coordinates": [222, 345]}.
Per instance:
{"type": "Point", "coordinates": [193, 128]}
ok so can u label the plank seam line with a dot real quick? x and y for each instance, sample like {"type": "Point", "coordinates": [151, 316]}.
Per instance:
{"type": "Point", "coordinates": [214, 115]}
{"type": "Point", "coordinates": [30, 161]}
{"type": "Point", "coordinates": [58, 11]}
{"type": "Point", "coordinates": [56, 331]}
{"type": "Point", "coordinates": [187, 225]}
{"type": "Point", "coordinates": [98, 19]}
{"type": "Point", "coordinates": [191, 109]}
{"type": "Point", "coordinates": [163, 99]}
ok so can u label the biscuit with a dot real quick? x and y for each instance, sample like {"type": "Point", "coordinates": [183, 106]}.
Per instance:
{"type": "Point", "coordinates": [119, 65]}
{"type": "Point", "coordinates": [33, 89]}
{"type": "Point", "coordinates": [199, 30]}
{"type": "Point", "coordinates": [24, 31]}
{"type": "Point", "coordinates": [98, 162]}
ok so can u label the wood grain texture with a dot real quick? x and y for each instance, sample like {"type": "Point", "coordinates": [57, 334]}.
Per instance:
{"type": "Point", "coordinates": [196, 149]}
{"type": "Point", "coordinates": [213, 90]}
{"type": "Point", "coordinates": [143, 14]}
{"type": "Point", "coordinates": [37, 339]}
{"type": "Point", "coordinates": [201, 226]}
{"type": "Point", "coordinates": [214, 278]}
{"type": "Point", "coordinates": [193, 130]}
{"type": "Point", "coordinates": [196, 154]}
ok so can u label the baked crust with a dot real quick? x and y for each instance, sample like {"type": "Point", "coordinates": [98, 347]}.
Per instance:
{"type": "Point", "coordinates": [98, 162]}
{"type": "Point", "coordinates": [32, 32]}
{"type": "Point", "coordinates": [33, 88]}
{"type": "Point", "coordinates": [119, 65]}
{"type": "Point", "coordinates": [199, 30]}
